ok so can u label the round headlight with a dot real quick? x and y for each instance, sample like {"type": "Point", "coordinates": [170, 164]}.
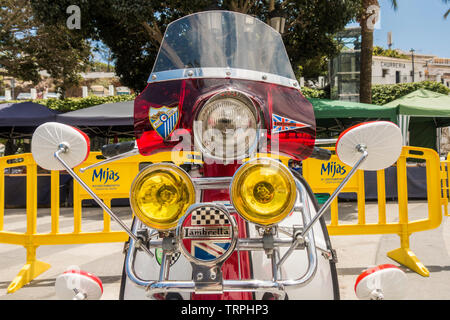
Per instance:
{"type": "Point", "coordinates": [161, 194]}
{"type": "Point", "coordinates": [263, 191]}
{"type": "Point", "coordinates": [226, 126]}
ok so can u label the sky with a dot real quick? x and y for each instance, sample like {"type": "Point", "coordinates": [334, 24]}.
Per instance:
{"type": "Point", "coordinates": [416, 24]}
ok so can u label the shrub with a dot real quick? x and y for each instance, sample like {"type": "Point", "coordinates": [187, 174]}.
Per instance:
{"type": "Point", "coordinates": [313, 93]}
{"type": "Point", "coordinates": [382, 94]}
{"type": "Point", "coordinates": [71, 104]}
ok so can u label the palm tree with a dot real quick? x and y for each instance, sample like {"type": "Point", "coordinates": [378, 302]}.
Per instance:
{"type": "Point", "coordinates": [367, 21]}
{"type": "Point", "coordinates": [448, 11]}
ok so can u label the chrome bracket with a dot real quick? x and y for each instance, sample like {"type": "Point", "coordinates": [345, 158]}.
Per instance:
{"type": "Point", "coordinates": [207, 279]}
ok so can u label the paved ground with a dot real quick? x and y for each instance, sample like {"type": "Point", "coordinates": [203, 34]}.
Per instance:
{"type": "Point", "coordinates": [355, 253]}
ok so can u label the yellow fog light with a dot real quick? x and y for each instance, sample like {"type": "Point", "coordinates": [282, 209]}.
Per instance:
{"type": "Point", "coordinates": [263, 191]}
{"type": "Point", "coordinates": [160, 195]}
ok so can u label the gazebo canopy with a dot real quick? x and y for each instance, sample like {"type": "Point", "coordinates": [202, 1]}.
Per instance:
{"type": "Point", "coordinates": [337, 115]}
{"type": "Point", "coordinates": [326, 109]}
{"type": "Point", "coordinates": [18, 120]}
{"type": "Point", "coordinates": [109, 119]}
{"type": "Point", "coordinates": [420, 113]}
{"type": "Point", "coordinates": [108, 114]}
{"type": "Point", "coordinates": [424, 103]}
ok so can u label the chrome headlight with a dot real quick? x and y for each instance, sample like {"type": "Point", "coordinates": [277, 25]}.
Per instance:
{"type": "Point", "coordinates": [226, 127]}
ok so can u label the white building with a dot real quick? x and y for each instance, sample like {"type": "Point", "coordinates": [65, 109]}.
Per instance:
{"type": "Point", "coordinates": [386, 70]}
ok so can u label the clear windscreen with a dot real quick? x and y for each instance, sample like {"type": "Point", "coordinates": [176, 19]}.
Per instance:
{"type": "Point", "coordinates": [223, 39]}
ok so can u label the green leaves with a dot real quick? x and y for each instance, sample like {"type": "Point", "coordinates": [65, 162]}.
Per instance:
{"type": "Point", "coordinates": [131, 29]}
{"type": "Point", "coordinates": [313, 93]}
{"type": "Point", "coordinates": [382, 94]}
{"type": "Point", "coordinates": [27, 46]}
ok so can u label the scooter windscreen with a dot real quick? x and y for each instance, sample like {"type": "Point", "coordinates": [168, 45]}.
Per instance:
{"type": "Point", "coordinates": [222, 84]}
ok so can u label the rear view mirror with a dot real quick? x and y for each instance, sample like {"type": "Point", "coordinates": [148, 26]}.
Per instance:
{"type": "Point", "coordinates": [383, 282]}
{"type": "Point", "coordinates": [78, 285]}
{"type": "Point", "coordinates": [382, 140]}
{"type": "Point", "coordinates": [50, 137]}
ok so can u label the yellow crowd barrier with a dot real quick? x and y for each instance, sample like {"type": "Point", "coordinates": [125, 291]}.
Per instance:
{"type": "Point", "coordinates": [104, 180]}
{"type": "Point", "coordinates": [324, 177]}
{"type": "Point", "coordinates": [113, 180]}
{"type": "Point", "coordinates": [445, 183]}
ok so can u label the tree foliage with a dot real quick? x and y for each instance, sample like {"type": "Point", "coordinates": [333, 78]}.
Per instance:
{"type": "Point", "coordinates": [28, 46]}
{"type": "Point", "coordinates": [379, 51]}
{"type": "Point", "coordinates": [133, 30]}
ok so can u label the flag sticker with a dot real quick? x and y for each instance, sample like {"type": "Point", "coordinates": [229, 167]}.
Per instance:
{"type": "Point", "coordinates": [280, 124]}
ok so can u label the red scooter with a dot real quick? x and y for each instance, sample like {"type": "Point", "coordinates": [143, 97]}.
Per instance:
{"type": "Point", "coordinates": [242, 225]}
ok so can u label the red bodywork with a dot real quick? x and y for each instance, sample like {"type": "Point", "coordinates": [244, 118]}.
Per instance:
{"type": "Point", "coordinates": [190, 95]}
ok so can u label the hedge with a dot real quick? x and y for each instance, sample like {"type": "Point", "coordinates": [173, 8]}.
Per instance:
{"type": "Point", "coordinates": [382, 94]}
{"type": "Point", "coordinates": [71, 104]}
{"type": "Point", "coordinates": [313, 93]}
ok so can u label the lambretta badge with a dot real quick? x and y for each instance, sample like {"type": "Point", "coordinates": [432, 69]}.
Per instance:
{"type": "Point", "coordinates": [164, 120]}
{"type": "Point", "coordinates": [207, 234]}
{"type": "Point", "coordinates": [213, 232]}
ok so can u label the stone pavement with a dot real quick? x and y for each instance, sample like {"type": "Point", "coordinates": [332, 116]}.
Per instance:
{"type": "Point", "coordinates": [355, 253]}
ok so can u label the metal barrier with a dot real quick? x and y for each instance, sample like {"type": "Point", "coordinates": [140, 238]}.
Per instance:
{"type": "Point", "coordinates": [445, 183]}
{"type": "Point", "coordinates": [317, 173]}
{"type": "Point", "coordinates": [105, 181]}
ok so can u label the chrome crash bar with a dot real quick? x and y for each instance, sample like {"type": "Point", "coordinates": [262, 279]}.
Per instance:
{"type": "Point", "coordinates": [276, 285]}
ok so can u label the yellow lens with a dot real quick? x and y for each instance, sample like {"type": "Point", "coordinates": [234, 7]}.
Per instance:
{"type": "Point", "coordinates": [161, 194]}
{"type": "Point", "coordinates": [263, 191]}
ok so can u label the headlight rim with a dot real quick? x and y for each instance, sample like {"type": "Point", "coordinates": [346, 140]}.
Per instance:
{"type": "Point", "coordinates": [186, 179]}
{"type": "Point", "coordinates": [250, 104]}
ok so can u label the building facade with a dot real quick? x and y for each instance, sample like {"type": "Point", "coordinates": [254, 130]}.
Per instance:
{"type": "Point", "coordinates": [386, 70]}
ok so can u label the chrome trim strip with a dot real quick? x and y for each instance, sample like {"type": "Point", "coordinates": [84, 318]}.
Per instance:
{"type": "Point", "coordinates": [222, 73]}
{"type": "Point", "coordinates": [325, 141]}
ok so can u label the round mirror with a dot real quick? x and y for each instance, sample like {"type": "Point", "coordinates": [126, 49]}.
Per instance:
{"type": "Point", "coordinates": [78, 285]}
{"type": "Point", "coordinates": [46, 141]}
{"type": "Point", "coordinates": [383, 282]}
{"type": "Point", "coordinates": [381, 139]}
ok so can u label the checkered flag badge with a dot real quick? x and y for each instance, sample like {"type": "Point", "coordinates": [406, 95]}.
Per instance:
{"type": "Point", "coordinates": [173, 258]}
{"type": "Point", "coordinates": [209, 216]}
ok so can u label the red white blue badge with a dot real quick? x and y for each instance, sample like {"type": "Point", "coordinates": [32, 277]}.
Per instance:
{"type": "Point", "coordinates": [164, 120]}
{"type": "Point", "coordinates": [207, 235]}
{"type": "Point", "coordinates": [281, 124]}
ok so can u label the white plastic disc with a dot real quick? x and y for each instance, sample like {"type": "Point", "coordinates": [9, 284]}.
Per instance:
{"type": "Point", "coordinates": [76, 282]}
{"type": "Point", "coordinates": [383, 142]}
{"type": "Point", "coordinates": [386, 282]}
{"type": "Point", "coordinates": [46, 140]}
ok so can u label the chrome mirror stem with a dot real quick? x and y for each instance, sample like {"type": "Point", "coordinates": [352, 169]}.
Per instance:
{"type": "Point", "coordinates": [128, 154]}
{"type": "Point", "coordinates": [62, 149]}
{"type": "Point", "coordinates": [363, 151]}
